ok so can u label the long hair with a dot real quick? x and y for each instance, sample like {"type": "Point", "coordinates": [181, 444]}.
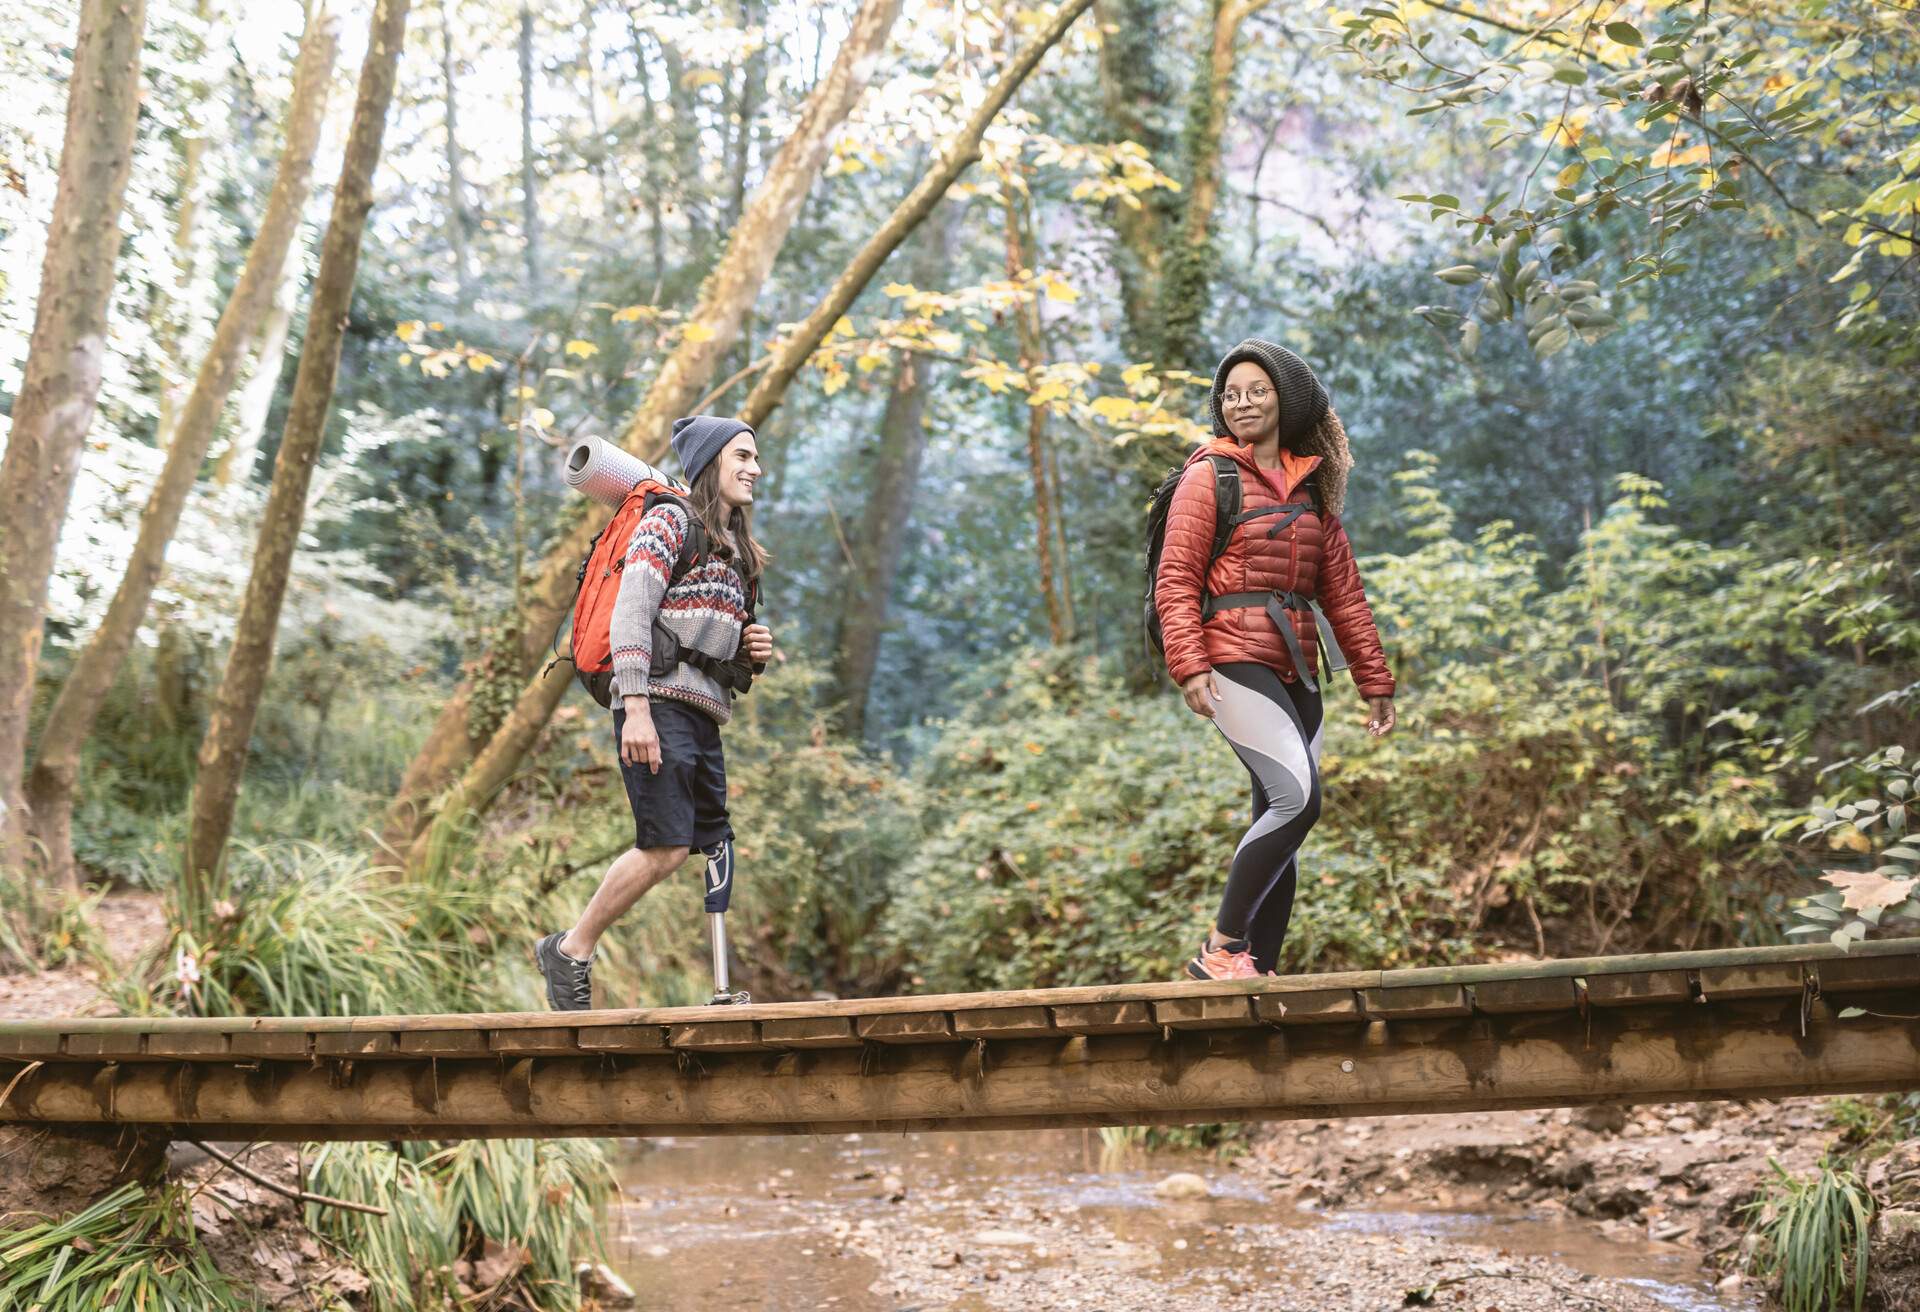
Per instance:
{"type": "Point", "coordinates": [1328, 440]}
{"type": "Point", "coordinates": [748, 556]}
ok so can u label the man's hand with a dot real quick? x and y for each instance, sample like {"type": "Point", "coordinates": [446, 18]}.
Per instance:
{"type": "Point", "coordinates": [1380, 720]}
{"type": "Point", "coordinates": [757, 639]}
{"type": "Point", "coordinates": [638, 739]}
{"type": "Point", "coordinates": [1201, 692]}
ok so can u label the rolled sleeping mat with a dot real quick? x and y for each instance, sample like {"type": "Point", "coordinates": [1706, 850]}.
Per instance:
{"type": "Point", "coordinates": [601, 470]}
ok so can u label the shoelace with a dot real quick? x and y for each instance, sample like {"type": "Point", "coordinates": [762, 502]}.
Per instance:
{"type": "Point", "coordinates": [583, 985]}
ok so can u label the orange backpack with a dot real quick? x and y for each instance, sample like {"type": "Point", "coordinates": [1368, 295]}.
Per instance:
{"type": "Point", "coordinates": [598, 582]}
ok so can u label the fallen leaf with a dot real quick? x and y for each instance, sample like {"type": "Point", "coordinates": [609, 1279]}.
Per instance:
{"type": "Point", "coordinates": [1862, 891]}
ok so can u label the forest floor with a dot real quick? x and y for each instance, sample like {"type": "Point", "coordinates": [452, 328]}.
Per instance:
{"type": "Point", "coordinates": [1608, 1207]}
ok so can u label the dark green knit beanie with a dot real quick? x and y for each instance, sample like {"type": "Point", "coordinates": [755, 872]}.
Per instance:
{"type": "Point", "coordinates": [1303, 402]}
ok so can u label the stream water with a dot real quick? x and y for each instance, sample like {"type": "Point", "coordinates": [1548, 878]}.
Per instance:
{"type": "Point", "coordinates": [887, 1223]}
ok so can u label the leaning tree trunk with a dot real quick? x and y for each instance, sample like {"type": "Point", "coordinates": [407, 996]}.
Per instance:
{"type": "Point", "coordinates": [255, 401]}
{"type": "Point", "coordinates": [552, 593]}
{"type": "Point", "coordinates": [61, 383]}
{"type": "Point", "coordinates": [1187, 279]}
{"type": "Point", "coordinates": [223, 751]}
{"type": "Point", "coordinates": [50, 786]}
{"type": "Point", "coordinates": [725, 298]}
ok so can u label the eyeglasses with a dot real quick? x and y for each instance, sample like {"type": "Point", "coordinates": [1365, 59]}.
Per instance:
{"type": "Point", "coordinates": [1254, 394]}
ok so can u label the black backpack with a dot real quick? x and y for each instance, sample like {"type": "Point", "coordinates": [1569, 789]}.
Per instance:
{"type": "Point", "coordinates": [1226, 518]}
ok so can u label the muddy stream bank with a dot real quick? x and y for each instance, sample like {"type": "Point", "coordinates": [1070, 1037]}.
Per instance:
{"type": "Point", "coordinates": [887, 1223]}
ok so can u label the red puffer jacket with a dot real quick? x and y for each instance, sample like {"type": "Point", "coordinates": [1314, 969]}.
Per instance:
{"type": "Point", "coordinates": [1311, 556]}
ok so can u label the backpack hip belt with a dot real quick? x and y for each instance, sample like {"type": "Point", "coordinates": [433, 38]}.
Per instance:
{"type": "Point", "coordinates": [1277, 604]}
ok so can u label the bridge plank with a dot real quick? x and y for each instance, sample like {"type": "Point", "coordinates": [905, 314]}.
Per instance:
{"type": "Point", "coordinates": [810, 1032]}
{"type": "Point", "coordinates": [1105, 1018]}
{"type": "Point", "coordinates": [1309, 1007]}
{"type": "Point", "coordinates": [107, 1045]}
{"type": "Point", "coordinates": [187, 1045]}
{"type": "Point", "coordinates": [1502, 997]}
{"type": "Point", "coordinates": [724, 1035]}
{"type": "Point", "coordinates": [622, 1038]}
{"type": "Point", "coordinates": [1417, 1002]}
{"type": "Point", "coordinates": [1853, 974]}
{"type": "Point", "coordinates": [442, 1042]}
{"type": "Point", "coordinates": [1638, 989]}
{"type": "Point", "coordinates": [554, 1041]}
{"type": "Point", "coordinates": [1763, 980]}
{"type": "Point", "coordinates": [909, 1027]}
{"type": "Point", "coordinates": [1205, 1013]}
{"type": "Point", "coordinates": [1004, 1023]}
{"type": "Point", "coordinates": [353, 1043]}
{"type": "Point", "coordinates": [268, 1043]}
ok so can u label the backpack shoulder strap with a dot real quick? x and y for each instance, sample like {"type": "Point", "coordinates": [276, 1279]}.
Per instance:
{"type": "Point", "coordinates": [695, 544]}
{"type": "Point", "coordinates": [1226, 502]}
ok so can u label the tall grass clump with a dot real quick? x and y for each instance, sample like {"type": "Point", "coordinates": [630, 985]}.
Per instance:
{"type": "Point", "coordinates": [538, 1201]}
{"type": "Point", "coordinates": [1813, 1237]}
{"type": "Point", "coordinates": [135, 1248]}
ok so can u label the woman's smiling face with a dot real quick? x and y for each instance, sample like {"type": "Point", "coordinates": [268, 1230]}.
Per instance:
{"type": "Point", "coordinates": [1249, 403]}
{"type": "Point", "coordinates": [739, 470]}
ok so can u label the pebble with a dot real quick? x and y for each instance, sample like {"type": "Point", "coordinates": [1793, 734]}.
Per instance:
{"type": "Point", "coordinates": [1183, 1184]}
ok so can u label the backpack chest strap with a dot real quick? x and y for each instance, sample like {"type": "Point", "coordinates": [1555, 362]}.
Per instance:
{"type": "Point", "coordinates": [1292, 510]}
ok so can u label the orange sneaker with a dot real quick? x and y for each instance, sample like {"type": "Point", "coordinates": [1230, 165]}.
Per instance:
{"type": "Point", "coordinates": [1231, 960]}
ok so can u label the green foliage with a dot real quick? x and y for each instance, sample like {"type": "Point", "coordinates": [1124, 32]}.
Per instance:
{"type": "Point", "coordinates": [135, 1248]}
{"type": "Point", "coordinates": [1813, 1237]}
{"type": "Point", "coordinates": [1867, 827]}
{"type": "Point", "coordinates": [328, 936]}
{"type": "Point", "coordinates": [541, 1198]}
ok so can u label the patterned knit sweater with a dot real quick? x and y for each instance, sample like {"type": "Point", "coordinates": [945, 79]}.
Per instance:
{"type": "Point", "coordinates": [705, 610]}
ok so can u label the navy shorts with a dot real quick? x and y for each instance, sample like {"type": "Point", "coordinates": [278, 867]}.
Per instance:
{"type": "Point", "coordinates": [685, 805]}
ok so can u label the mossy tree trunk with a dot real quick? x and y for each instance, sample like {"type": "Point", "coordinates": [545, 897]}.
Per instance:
{"type": "Point", "coordinates": [60, 386]}
{"type": "Point", "coordinates": [223, 751]}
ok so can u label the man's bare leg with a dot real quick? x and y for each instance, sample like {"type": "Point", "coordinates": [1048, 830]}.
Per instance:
{"type": "Point", "coordinates": [626, 882]}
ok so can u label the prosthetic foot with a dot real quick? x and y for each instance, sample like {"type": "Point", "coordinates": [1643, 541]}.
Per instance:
{"type": "Point", "coordinates": [719, 894]}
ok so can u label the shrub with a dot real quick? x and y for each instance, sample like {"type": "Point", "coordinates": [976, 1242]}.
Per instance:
{"type": "Point", "coordinates": [1813, 1237]}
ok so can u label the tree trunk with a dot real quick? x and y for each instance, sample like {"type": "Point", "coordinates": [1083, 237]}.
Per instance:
{"type": "Point", "coordinates": [656, 219]}
{"type": "Point", "coordinates": [1032, 360]}
{"type": "Point", "coordinates": [875, 536]}
{"type": "Point", "coordinates": [529, 197]}
{"type": "Point", "coordinates": [255, 402]}
{"type": "Point", "coordinates": [170, 341]}
{"type": "Point", "coordinates": [746, 108]}
{"type": "Point", "coordinates": [223, 752]}
{"type": "Point", "coordinates": [1134, 94]}
{"type": "Point", "coordinates": [459, 218]}
{"type": "Point", "coordinates": [60, 385]}
{"type": "Point", "coordinates": [684, 132]}
{"type": "Point", "coordinates": [50, 786]}
{"type": "Point", "coordinates": [1187, 282]}
{"type": "Point", "coordinates": [552, 593]}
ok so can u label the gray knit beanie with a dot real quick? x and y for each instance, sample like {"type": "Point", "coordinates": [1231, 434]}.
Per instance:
{"type": "Point", "coordinates": [1303, 402]}
{"type": "Point", "coordinates": [697, 439]}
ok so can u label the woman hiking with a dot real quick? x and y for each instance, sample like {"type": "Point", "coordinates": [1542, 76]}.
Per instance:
{"type": "Point", "coordinates": [692, 569]}
{"type": "Point", "coordinates": [1241, 632]}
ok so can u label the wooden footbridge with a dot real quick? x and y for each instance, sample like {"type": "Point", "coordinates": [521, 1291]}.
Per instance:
{"type": "Point", "coordinates": [1762, 1022]}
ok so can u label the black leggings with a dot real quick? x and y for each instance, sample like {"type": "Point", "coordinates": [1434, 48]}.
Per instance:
{"type": "Point", "coordinates": [1274, 728]}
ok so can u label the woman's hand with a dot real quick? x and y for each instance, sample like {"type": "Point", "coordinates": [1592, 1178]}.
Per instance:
{"type": "Point", "coordinates": [1201, 692]}
{"type": "Point", "coordinates": [639, 741]}
{"type": "Point", "coordinates": [1380, 719]}
{"type": "Point", "coordinates": [758, 641]}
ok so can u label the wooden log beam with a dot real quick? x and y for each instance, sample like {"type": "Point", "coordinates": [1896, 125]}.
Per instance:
{"type": "Point", "coordinates": [1693, 1050]}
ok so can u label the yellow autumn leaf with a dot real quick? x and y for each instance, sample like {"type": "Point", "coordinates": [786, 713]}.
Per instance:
{"type": "Point", "coordinates": [834, 381]}
{"type": "Point", "coordinates": [867, 363]}
{"type": "Point", "coordinates": [583, 348]}
{"type": "Point", "coordinates": [437, 326]}
{"type": "Point", "coordinates": [1112, 408]}
{"type": "Point", "coordinates": [409, 330]}
{"type": "Point", "coordinates": [698, 332]}
{"type": "Point", "coordinates": [1060, 290]}
{"type": "Point", "coordinates": [406, 358]}
{"type": "Point", "coordinates": [1047, 392]}
{"type": "Point", "coordinates": [540, 417]}
{"type": "Point", "coordinates": [480, 362]}
{"type": "Point", "coordinates": [898, 289]}
{"type": "Point", "coordinates": [630, 313]}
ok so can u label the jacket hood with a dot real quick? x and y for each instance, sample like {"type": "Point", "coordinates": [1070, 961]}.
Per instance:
{"type": "Point", "coordinates": [1308, 424]}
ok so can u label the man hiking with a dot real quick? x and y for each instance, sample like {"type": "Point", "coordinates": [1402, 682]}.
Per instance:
{"type": "Point", "coordinates": [682, 640]}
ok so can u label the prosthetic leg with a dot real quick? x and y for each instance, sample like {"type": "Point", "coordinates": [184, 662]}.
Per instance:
{"type": "Point", "coordinates": [719, 894]}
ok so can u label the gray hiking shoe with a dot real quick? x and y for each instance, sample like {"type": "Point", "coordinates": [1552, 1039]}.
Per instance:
{"type": "Point", "coordinates": [569, 982]}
